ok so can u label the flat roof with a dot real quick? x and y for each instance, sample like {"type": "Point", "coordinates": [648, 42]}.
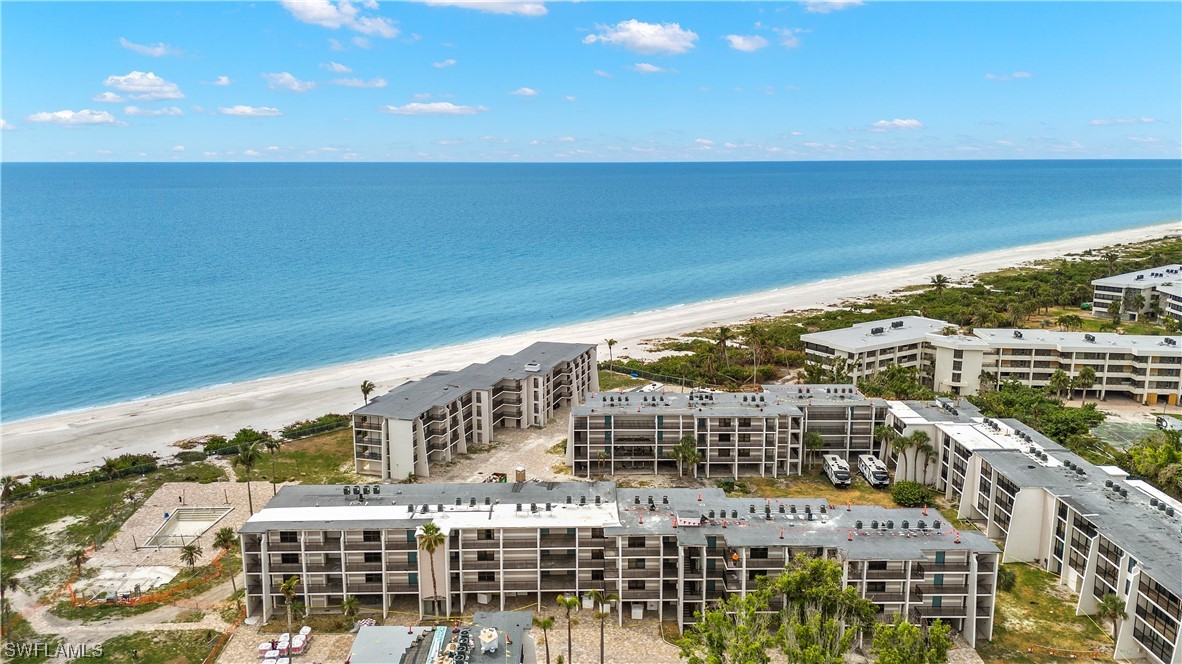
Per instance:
{"type": "Point", "coordinates": [1149, 277]}
{"type": "Point", "coordinates": [412, 399]}
{"type": "Point", "coordinates": [1140, 344]}
{"type": "Point", "coordinates": [716, 404]}
{"type": "Point", "coordinates": [388, 644]}
{"type": "Point", "coordinates": [858, 337]}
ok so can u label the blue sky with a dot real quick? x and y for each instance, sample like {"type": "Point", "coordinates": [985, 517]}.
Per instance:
{"type": "Point", "coordinates": [594, 81]}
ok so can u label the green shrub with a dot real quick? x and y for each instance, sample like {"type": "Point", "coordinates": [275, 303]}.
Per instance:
{"type": "Point", "coordinates": [1006, 578]}
{"type": "Point", "coordinates": [910, 494]}
{"type": "Point", "coordinates": [215, 443]}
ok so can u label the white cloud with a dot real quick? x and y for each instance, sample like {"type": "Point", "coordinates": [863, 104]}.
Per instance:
{"type": "Point", "coordinates": [746, 43]}
{"type": "Point", "coordinates": [335, 44]}
{"type": "Point", "coordinates": [525, 92]}
{"type": "Point", "coordinates": [273, 148]}
{"type": "Point", "coordinates": [104, 152]}
{"type": "Point", "coordinates": [570, 98]}
{"type": "Point", "coordinates": [152, 112]}
{"type": "Point", "coordinates": [109, 97]}
{"type": "Point", "coordinates": [450, 141]}
{"type": "Point", "coordinates": [646, 68]}
{"type": "Point", "coordinates": [703, 141]}
{"type": "Point", "coordinates": [1007, 77]}
{"type": "Point", "coordinates": [83, 117]}
{"type": "Point", "coordinates": [1121, 121]}
{"type": "Point", "coordinates": [222, 81]}
{"type": "Point", "coordinates": [335, 67]}
{"type": "Point", "coordinates": [645, 38]}
{"type": "Point", "coordinates": [244, 111]}
{"type": "Point", "coordinates": [788, 38]}
{"type": "Point", "coordinates": [144, 86]}
{"type": "Point", "coordinates": [433, 108]}
{"type": "Point", "coordinates": [884, 125]}
{"type": "Point", "coordinates": [288, 82]}
{"type": "Point", "coordinates": [5, 125]}
{"type": "Point", "coordinates": [361, 42]}
{"type": "Point", "coordinates": [378, 82]}
{"type": "Point", "coordinates": [209, 154]}
{"type": "Point", "coordinates": [342, 14]}
{"type": "Point", "coordinates": [603, 74]}
{"type": "Point", "coordinates": [445, 64]}
{"type": "Point", "coordinates": [565, 139]}
{"type": "Point", "coordinates": [178, 148]}
{"type": "Point", "coordinates": [252, 153]}
{"type": "Point", "coordinates": [827, 6]}
{"type": "Point", "coordinates": [1144, 139]}
{"type": "Point", "coordinates": [157, 50]}
{"type": "Point", "coordinates": [494, 6]}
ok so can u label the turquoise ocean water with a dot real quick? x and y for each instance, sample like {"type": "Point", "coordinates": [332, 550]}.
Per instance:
{"type": "Point", "coordinates": [122, 281]}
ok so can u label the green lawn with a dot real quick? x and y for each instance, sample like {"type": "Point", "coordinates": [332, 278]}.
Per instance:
{"type": "Point", "coordinates": [1038, 613]}
{"type": "Point", "coordinates": [612, 380]}
{"type": "Point", "coordinates": [176, 647]}
{"type": "Point", "coordinates": [313, 460]}
{"type": "Point", "coordinates": [1091, 323]}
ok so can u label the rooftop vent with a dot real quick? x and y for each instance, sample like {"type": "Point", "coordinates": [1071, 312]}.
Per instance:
{"type": "Point", "coordinates": [874, 524]}
{"type": "Point", "coordinates": [1170, 342]}
{"type": "Point", "coordinates": [711, 514]}
{"type": "Point", "coordinates": [347, 490]}
{"type": "Point", "coordinates": [734, 514]}
{"type": "Point", "coordinates": [598, 500]}
{"type": "Point", "coordinates": [906, 524]}
{"type": "Point", "coordinates": [533, 367]}
{"type": "Point", "coordinates": [1091, 338]}
{"type": "Point", "coordinates": [890, 524]}
{"type": "Point", "coordinates": [858, 524]}
{"type": "Point", "coordinates": [1017, 334]}
{"type": "Point", "coordinates": [487, 500]}
{"type": "Point", "coordinates": [1107, 484]}
{"type": "Point", "coordinates": [936, 524]}
{"type": "Point", "coordinates": [896, 324]}
{"type": "Point", "coordinates": [582, 500]}
{"type": "Point", "coordinates": [921, 524]}
{"type": "Point", "coordinates": [876, 330]}
{"type": "Point", "coordinates": [458, 501]}
{"type": "Point", "coordinates": [1169, 511]}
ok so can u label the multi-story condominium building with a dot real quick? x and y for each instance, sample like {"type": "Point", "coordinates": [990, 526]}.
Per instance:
{"type": "Point", "coordinates": [665, 551]}
{"type": "Point", "coordinates": [1143, 367]}
{"type": "Point", "coordinates": [431, 420]}
{"type": "Point", "coordinates": [1155, 287]}
{"type": "Point", "coordinates": [736, 434]}
{"type": "Point", "coordinates": [1095, 527]}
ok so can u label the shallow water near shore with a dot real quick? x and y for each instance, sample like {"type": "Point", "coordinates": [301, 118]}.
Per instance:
{"type": "Point", "coordinates": [127, 280]}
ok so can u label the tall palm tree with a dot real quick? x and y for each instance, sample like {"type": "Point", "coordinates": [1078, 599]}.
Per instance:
{"type": "Point", "coordinates": [431, 538]}
{"type": "Point", "coordinates": [7, 484]}
{"type": "Point", "coordinates": [367, 388]}
{"type": "Point", "coordinates": [918, 440]}
{"type": "Point", "coordinates": [611, 363]}
{"type": "Point", "coordinates": [939, 283]}
{"type": "Point", "coordinates": [350, 606]}
{"type": "Point", "coordinates": [272, 445]}
{"type": "Point", "coordinates": [724, 335]}
{"type": "Point", "coordinates": [225, 540]}
{"type": "Point", "coordinates": [190, 553]}
{"type": "Point", "coordinates": [570, 603]}
{"type": "Point", "coordinates": [600, 599]}
{"type": "Point", "coordinates": [753, 337]}
{"type": "Point", "coordinates": [247, 457]}
{"type": "Point", "coordinates": [929, 455]}
{"type": "Point", "coordinates": [1084, 381]}
{"type": "Point", "coordinates": [1110, 257]}
{"type": "Point", "coordinates": [1059, 382]}
{"type": "Point", "coordinates": [288, 589]}
{"type": "Point", "coordinates": [1112, 608]}
{"type": "Point", "coordinates": [685, 452]}
{"type": "Point", "coordinates": [899, 447]}
{"type": "Point", "coordinates": [812, 441]}
{"type": "Point", "coordinates": [884, 434]}
{"type": "Point", "coordinates": [545, 624]}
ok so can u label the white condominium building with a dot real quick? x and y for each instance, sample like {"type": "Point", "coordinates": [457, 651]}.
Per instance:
{"type": "Point", "coordinates": [1144, 367]}
{"type": "Point", "coordinates": [1099, 530]}
{"type": "Point", "coordinates": [431, 420]}
{"type": "Point", "coordinates": [664, 552]}
{"type": "Point", "coordinates": [1158, 288]}
{"type": "Point", "coordinates": [736, 434]}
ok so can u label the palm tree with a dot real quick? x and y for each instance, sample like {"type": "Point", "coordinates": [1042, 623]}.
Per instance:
{"type": "Point", "coordinates": [110, 469]}
{"type": "Point", "coordinates": [272, 445]}
{"type": "Point", "coordinates": [599, 599]}
{"type": "Point", "coordinates": [545, 624]}
{"type": "Point", "coordinates": [685, 452]}
{"type": "Point", "coordinates": [918, 441]}
{"type": "Point", "coordinates": [899, 447]}
{"type": "Point", "coordinates": [350, 606]}
{"type": "Point", "coordinates": [1138, 302]}
{"type": "Point", "coordinates": [288, 589]}
{"type": "Point", "coordinates": [753, 337]}
{"type": "Point", "coordinates": [431, 538]}
{"type": "Point", "coordinates": [367, 388]}
{"type": "Point", "coordinates": [812, 442]}
{"type": "Point", "coordinates": [190, 553]}
{"type": "Point", "coordinates": [569, 603]}
{"type": "Point", "coordinates": [1112, 608]}
{"type": "Point", "coordinates": [7, 484]}
{"type": "Point", "coordinates": [884, 434]}
{"type": "Point", "coordinates": [225, 540]}
{"type": "Point", "coordinates": [611, 366]}
{"type": "Point", "coordinates": [939, 283]}
{"type": "Point", "coordinates": [247, 457]}
{"type": "Point", "coordinates": [1059, 382]}
{"type": "Point", "coordinates": [724, 335]}
{"type": "Point", "coordinates": [929, 455]}
{"type": "Point", "coordinates": [1084, 382]}
{"type": "Point", "coordinates": [1110, 257]}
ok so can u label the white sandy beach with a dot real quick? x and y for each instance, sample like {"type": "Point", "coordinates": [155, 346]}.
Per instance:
{"type": "Point", "coordinates": [61, 443]}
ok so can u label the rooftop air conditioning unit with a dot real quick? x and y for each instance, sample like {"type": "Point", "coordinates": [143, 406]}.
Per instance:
{"type": "Point", "coordinates": [1090, 338]}
{"type": "Point", "coordinates": [1017, 334]}
{"type": "Point", "coordinates": [896, 325]}
{"type": "Point", "coordinates": [533, 367]}
{"type": "Point", "coordinates": [876, 330]}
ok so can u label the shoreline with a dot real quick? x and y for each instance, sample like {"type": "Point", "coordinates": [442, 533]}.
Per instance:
{"type": "Point", "coordinates": [77, 439]}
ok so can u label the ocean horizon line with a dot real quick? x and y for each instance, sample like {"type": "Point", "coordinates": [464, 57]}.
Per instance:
{"type": "Point", "coordinates": [573, 162]}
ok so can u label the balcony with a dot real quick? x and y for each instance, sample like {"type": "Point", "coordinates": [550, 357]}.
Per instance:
{"type": "Point", "coordinates": [925, 611]}
{"type": "Point", "coordinates": [402, 587]}
{"type": "Point", "coordinates": [366, 587]}
{"type": "Point", "coordinates": [886, 597]}
{"type": "Point", "coordinates": [640, 552]}
{"type": "Point", "coordinates": [286, 567]}
{"type": "Point", "coordinates": [521, 564]}
{"type": "Point", "coordinates": [327, 545]}
{"type": "Point", "coordinates": [946, 568]}
{"type": "Point", "coordinates": [360, 567]}
{"type": "Point", "coordinates": [323, 589]}
{"type": "Point", "coordinates": [283, 546]}
{"type": "Point", "coordinates": [520, 543]}
{"type": "Point", "coordinates": [330, 566]}
{"type": "Point", "coordinates": [897, 573]}
{"type": "Point", "coordinates": [944, 589]}
{"type": "Point", "coordinates": [480, 564]}
{"type": "Point", "coordinates": [558, 562]}
{"type": "Point", "coordinates": [559, 583]}
{"type": "Point", "coordinates": [627, 594]}
{"type": "Point", "coordinates": [359, 545]}
{"type": "Point", "coordinates": [477, 545]}
{"type": "Point", "coordinates": [558, 541]}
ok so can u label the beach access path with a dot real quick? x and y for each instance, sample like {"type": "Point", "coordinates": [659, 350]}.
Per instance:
{"type": "Point", "coordinates": [76, 440]}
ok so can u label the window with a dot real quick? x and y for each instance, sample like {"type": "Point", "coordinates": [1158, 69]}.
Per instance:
{"type": "Point", "coordinates": [636, 542]}
{"type": "Point", "coordinates": [759, 553]}
{"type": "Point", "coordinates": [597, 533]}
{"type": "Point", "coordinates": [486, 556]}
{"type": "Point", "coordinates": [486, 534]}
{"type": "Point", "coordinates": [412, 578]}
{"type": "Point", "coordinates": [597, 575]}
{"type": "Point", "coordinates": [373, 557]}
{"type": "Point", "coordinates": [478, 399]}
{"type": "Point", "coordinates": [636, 585]}
{"type": "Point", "coordinates": [412, 557]}
{"type": "Point", "coordinates": [288, 537]}
{"type": "Point", "coordinates": [371, 536]}
{"type": "Point", "coordinates": [410, 535]}
{"type": "Point", "coordinates": [724, 452]}
{"type": "Point", "coordinates": [636, 563]}
{"type": "Point", "coordinates": [373, 578]}
{"type": "Point", "coordinates": [290, 559]}
{"type": "Point", "coordinates": [486, 577]}
{"type": "Point", "coordinates": [597, 554]}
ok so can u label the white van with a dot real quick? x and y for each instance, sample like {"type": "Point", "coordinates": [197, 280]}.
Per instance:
{"type": "Point", "coordinates": [874, 470]}
{"type": "Point", "coordinates": [836, 469]}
